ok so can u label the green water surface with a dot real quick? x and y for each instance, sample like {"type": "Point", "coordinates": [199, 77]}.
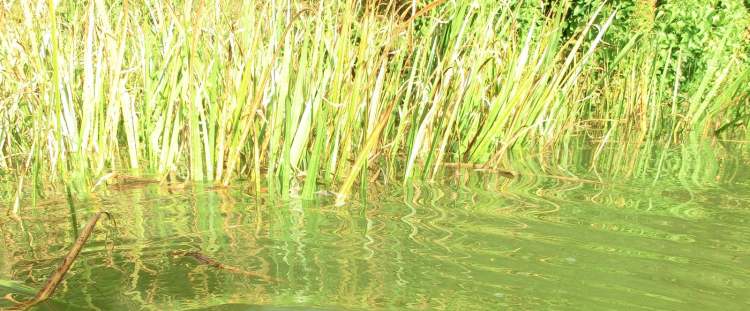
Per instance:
{"type": "Point", "coordinates": [478, 241]}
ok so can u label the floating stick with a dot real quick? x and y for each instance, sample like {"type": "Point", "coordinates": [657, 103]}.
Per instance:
{"type": "Point", "coordinates": [57, 276]}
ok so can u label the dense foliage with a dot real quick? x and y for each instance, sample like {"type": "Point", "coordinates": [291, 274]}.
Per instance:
{"type": "Point", "coordinates": [298, 94]}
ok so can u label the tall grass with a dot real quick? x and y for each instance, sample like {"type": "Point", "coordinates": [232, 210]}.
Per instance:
{"type": "Point", "coordinates": [300, 96]}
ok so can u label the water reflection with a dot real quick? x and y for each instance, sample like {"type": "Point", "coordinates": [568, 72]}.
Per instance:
{"type": "Point", "coordinates": [661, 235]}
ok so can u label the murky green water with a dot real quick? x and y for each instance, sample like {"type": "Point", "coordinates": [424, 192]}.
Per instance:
{"type": "Point", "coordinates": [677, 241]}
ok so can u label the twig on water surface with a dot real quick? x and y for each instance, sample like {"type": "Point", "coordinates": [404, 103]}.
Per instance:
{"type": "Point", "coordinates": [512, 174]}
{"type": "Point", "coordinates": [201, 258]}
{"type": "Point", "coordinates": [573, 179]}
{"type": "Point", "coordinates": [481, 167]}
{"type": "Point", "coordinates": [57, 276]}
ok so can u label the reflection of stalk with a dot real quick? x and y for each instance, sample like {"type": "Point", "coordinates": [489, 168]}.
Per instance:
{"type": "Point", "coordinates": [57, 276]}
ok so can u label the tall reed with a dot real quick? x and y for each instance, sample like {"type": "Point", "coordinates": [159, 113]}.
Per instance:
{"type": "Point", "coordinates": [299, 96]}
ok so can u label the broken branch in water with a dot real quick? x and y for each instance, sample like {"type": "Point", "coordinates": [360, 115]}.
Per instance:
{"type": "Point", "coordinates": [201, 258]}
{"type": "Point", "coordinates": [481, 167]}
{"type": "Point", "coordinates": [57, 276]}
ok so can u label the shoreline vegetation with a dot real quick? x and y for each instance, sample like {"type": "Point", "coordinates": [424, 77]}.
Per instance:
{"type": "Point", "coordinates": [304, 96]}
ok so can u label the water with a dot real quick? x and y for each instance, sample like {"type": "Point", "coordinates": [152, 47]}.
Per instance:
{"type": "Point", "coordinates": [479, 242]}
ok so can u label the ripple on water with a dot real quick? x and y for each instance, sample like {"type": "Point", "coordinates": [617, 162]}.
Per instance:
{"type": "Point", "coordinates": [540, 244]}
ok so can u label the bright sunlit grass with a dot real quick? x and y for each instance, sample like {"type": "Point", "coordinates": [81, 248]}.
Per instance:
{"type": "Point", "coordinates": [300, 96]}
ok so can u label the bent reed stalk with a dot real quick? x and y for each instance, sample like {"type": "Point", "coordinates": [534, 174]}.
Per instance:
{"type": "Point", "coordinates": [299, 95]}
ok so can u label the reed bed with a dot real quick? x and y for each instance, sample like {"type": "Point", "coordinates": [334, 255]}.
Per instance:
{"type": "Point", "coordinates": [302, 96]}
